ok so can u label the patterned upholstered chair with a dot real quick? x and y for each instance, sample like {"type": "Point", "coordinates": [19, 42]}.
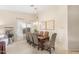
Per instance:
{"type": "Point", "coordinates": [27, 37]}
{"type": "Point", "coordinates": [35, 39]}
{"type": "Point", "coordinates": [2, 47]}
{"type": "Point", "coordinates": [41, 33]}
{"type": "Point", "coordinates": [51, 43]}
{"type": "Point", "coordinates": [46, 35]}
{"type": "Point", "coordinates": [30, 38]}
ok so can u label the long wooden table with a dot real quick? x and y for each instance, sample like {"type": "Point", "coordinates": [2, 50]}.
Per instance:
{"type": "Point", "coordinates": [41, 41]}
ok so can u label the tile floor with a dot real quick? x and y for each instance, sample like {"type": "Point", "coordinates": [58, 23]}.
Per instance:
{"type": "Point", "coordinates": [22, 47]}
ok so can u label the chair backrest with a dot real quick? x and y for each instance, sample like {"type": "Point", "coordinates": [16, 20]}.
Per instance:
{"type": "Point", "coordinates": [30, 37]}
{"type": "Point", "coordinates": [27, 36]}
{"type": "Point", "coordinates": [53, 38]}
{"type": "Point", "coordinates": [46, 34]}
{"type": "Point", "coordinates": [41, 33]}
{"type": "Point", "coordinates": [35, 38]}
{"type": "Point", "coordinates": [2, 47]}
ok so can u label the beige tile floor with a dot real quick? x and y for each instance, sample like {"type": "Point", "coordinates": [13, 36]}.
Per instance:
{"type": "Point", "coordinates": [22, 47]}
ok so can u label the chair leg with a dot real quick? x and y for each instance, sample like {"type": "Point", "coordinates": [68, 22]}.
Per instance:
{"type": "Point", "coordinates": [38, 47]}
{"type": "Point", "coordinates": [54, 48]}
{"type": "Point", "coordinates": [50, 50]}
{"type": "Point", "coordinates": [34, 45]}
{"type": "Point", "coordinates": [27, 41]}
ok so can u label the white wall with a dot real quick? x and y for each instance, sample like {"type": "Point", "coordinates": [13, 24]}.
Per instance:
{"type": "Point", "coordinates": [73, 28]}
{"type": "Point", "coordinates": [59, 14]}
{"type": "Point", "coordinates": [8, 17]}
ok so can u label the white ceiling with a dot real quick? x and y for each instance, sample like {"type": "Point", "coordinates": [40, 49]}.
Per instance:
{"type": "Point", "coordinates": [25, 8]}
{"type": "Point", "coordinates": [7, 19]}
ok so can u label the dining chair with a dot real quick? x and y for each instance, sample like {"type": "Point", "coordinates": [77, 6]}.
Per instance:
{"type": "Point", "coordinates": [51, 43]}
{"type": "Point", "coordinates": [46, 33]}
{"type": "Point", "coordinates": [27, 37]}
{"type": "Point", "coordinates": [35, 39]}
{"type": "Point", "coordinates": [30, 38]}
{"type": "Point", "coordinates": [41, 33]}
{"type": "Point", "coordinates": [2, 47]}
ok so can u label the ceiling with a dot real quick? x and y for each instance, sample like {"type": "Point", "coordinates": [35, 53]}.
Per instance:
{"type": "Point", "coordinates": [6, 19]}
{"type": "Point", "coordinates": [26, 8]}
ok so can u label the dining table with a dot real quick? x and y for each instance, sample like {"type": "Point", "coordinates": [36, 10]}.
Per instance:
{"type": "Point", "coordinates": [41, 41]}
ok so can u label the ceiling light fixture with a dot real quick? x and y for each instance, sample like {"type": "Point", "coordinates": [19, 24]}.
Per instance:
{"type": "Point", "coordinates": [31, 5]}
{"type": "Point", "coordinates": [35, 11]}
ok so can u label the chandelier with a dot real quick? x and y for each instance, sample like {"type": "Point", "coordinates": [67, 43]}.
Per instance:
{"type": "Point", "coordinates": [35, 11]}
